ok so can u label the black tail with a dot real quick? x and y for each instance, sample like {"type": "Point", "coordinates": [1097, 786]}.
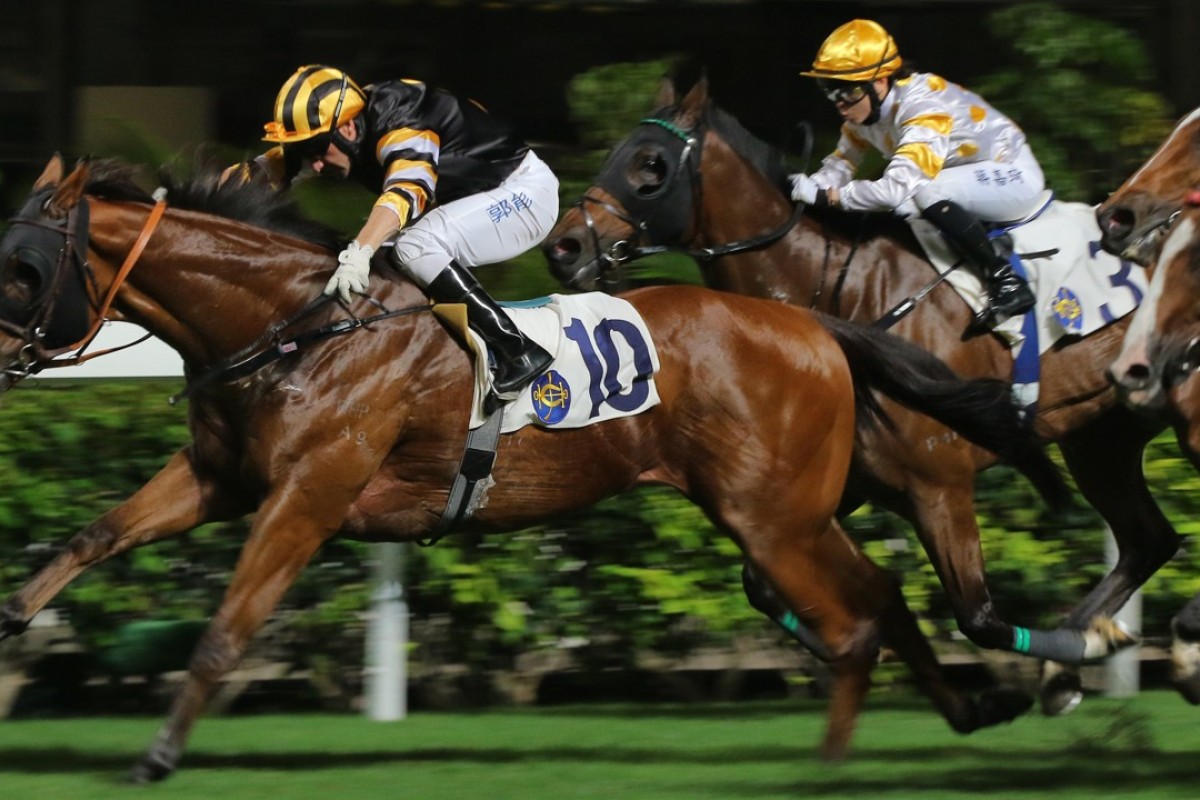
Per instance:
{"type": "Point", "coordinates": [980, 410]}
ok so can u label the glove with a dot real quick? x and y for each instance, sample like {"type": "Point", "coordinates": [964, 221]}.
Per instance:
{"type": "Point", "coordinates": [804, 189]}
{"type": "Point", "coordinates": [353, 272]}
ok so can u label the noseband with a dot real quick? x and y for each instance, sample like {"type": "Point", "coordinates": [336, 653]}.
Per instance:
{"type": "Point", "coordinates": [644, 213]}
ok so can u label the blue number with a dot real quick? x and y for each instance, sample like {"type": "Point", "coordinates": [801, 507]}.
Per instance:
{"type": "Point", "coordinates": [1118, 279]}
{"type": "Point", "coordinates": [604, 386]}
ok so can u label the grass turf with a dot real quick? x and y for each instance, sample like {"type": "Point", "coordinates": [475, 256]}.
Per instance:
{"type": "Point", "coordinates": [1143, 747]}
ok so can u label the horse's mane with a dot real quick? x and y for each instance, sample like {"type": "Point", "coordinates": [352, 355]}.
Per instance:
{"type": "Point", "coordinates": [198, 188]}
{"type": "Point", "coordinates": [770, 161]}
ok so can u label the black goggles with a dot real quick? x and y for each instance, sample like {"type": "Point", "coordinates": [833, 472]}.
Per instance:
{"type": "Point", "coordinates": [310, 148]}
{"type": "Point", "coordinates": [842, 93]}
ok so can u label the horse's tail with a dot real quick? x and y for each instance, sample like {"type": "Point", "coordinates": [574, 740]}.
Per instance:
{"type": "Point", "coordinates": [981, 410]}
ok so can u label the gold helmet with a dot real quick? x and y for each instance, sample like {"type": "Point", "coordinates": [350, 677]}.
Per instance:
{"type": "Point", "coordinates": [312, 103]}
{"type": "Point", "coordinates": [860, 50]}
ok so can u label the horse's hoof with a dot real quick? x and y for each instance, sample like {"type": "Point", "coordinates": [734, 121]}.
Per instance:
{"type": "Point", "coordinates": [1061, 693]}
{"type": "Point", "coordinates": [13, 621]}
{"type": "Point", "coordinates": [154, 767]}
{"type": "Point", "coordinates": [1001, 705]}
{"type": "Point", "coordinates": [1105, 636]}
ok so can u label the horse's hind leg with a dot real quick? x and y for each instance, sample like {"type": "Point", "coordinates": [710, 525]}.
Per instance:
{"type": "Point", "coordinates": [285, 536]}
{"type": "Point", "coordinates": [173, 501]}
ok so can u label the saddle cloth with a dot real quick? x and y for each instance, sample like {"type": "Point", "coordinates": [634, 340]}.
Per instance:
{"type": "Point", "coordinates": [604, 361]}
{"type": "Point", "coordinates": [1080, 288]}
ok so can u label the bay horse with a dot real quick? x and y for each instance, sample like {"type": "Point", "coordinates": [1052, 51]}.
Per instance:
{"type": "Point", "coordinates": [1152, 218]}
{"type": "Point", "coordinates": [690, 177]}
{"type": "Point", "coordinates": [360, 434]}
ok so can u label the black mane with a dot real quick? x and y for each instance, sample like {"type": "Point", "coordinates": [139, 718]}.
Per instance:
{"type": "Point", "coordinates": [770, 161]}
{"type": "Point", "coordinates": [254, 203]}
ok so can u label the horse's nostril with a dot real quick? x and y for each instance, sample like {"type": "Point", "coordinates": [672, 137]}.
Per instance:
{"type": "Point", "coordinates": [564, 250]}
{"type": "Point", "coordinates": [1118, 221]}
{"type": "Point", "coordinates": [1137, 376]}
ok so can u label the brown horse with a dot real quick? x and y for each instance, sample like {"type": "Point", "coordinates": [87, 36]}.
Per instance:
{"type": "Point", "coordinates": [361, 434]}
{"type": "Point", "coordinates": [691, 177]}
{"type": "Point", "coordinates": [1152, 219]}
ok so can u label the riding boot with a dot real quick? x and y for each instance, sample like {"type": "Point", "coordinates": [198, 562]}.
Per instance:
{"type": "Point", "coordinates": [1008, 293]}
{"type": "Point", "coordinates": [518, 359]}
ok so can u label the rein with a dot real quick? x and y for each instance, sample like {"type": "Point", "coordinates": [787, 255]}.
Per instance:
{"type": "Point", "coordinates": [270, 347]}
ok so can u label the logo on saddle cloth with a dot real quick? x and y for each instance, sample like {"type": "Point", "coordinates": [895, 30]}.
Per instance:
{"type": "Point", "coordinates": [551, 396]}
{"type": "Point", "coordinates": [1068, 310]}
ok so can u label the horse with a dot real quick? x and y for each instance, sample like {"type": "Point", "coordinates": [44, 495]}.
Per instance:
{"type": "Point", "coordinates": [691, 178]}
{"type": "Point", "coordinates": [1152, 219]}
{"type": "Point", "coordinates": [325, 419]}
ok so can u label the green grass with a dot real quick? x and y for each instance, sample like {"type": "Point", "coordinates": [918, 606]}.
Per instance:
{"type": "Point", "coordinates": [1144, 747]}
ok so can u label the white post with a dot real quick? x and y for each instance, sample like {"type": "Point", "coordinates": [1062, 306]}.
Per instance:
{"type": "Point", "coordinates": [386, 675]}
{"type": "Point", "coordinates": [1122, 673]}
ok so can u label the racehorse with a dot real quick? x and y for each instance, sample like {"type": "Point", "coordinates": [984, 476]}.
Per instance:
{"type": "Point", "coordinates": [351, 422]}
{"type": "Point", "coordinates": [690, 177]}
{"type": "Point", "coordinates": [1153, 219]}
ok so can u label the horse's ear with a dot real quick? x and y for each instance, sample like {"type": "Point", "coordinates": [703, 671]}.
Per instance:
{"type": "Point", "coordinates": [52, 174]}
{"type": "Point", "coordinates": [67, 195]}
{"type": "Point", "coordinates": [666, 93]}
{"type": "Point", "coordinates": [694, 102]}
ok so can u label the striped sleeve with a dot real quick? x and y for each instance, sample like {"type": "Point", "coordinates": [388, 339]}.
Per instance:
{"type": "Point", "coordinates": [409, 158]}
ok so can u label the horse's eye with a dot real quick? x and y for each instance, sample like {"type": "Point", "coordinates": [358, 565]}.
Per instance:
{"type": "Point", "coordinates": [18, 280]}
{"type": "Point", "coordinates": [648, 173]}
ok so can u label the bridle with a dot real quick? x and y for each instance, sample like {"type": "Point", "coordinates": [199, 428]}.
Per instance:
{"type": "Point", "coordinates": [655, 221]}
{"type": "Point", "coordinates": [67, 308]}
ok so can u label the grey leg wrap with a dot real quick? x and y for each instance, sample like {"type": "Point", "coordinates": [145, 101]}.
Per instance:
{"type": "Point", "coordinates": [1063, 645]}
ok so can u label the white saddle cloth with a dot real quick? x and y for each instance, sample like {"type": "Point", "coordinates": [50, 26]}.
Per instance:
{"type": "Point", "coordinates": [604, 362]}
{"type": "Point", "coordinates": [1080, 288]}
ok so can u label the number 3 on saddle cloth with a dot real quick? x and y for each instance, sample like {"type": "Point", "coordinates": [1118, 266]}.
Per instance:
{"type": "Point", "coordinates": [603, 368]}
{"type": "Point", "coordinates": [1080, 288]}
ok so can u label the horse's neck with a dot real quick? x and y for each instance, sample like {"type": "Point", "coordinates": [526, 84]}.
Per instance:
{"type": "Point", "coordinates": [796, 269]}
{"type": "Point", "coordinates": [205, 285]}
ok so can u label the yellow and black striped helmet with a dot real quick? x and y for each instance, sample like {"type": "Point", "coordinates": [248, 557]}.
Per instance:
{"type": "Point", "coordinates": [314, 101]}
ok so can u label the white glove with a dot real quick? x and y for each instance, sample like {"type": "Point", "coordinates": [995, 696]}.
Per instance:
{"type": "Point", "coordinates": [804, 188]}
{"type": "Point", "coordinates": [353, 272]}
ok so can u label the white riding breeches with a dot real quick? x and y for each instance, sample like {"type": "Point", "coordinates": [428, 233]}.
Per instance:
{"type": "Point", "coordinates": [483, 228]}
{"type": "Point", "coordinates": [991, 190]}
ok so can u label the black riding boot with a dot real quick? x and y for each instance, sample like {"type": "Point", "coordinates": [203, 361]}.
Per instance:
{"type": "Point", "coordinates": [518, 359]}
{"type": "Point", "coordinates": [1008, 293]}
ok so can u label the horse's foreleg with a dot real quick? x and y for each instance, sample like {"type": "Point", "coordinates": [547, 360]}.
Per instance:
{"type": "Point", "coordinates": [173, 501]}
{"type": "Point", "coordinates": [1105, 458]}
{"type": "Point", "coordinates": [284, 537]}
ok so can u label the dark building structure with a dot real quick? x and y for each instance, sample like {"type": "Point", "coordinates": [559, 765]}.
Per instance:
{"type": "Point", "coordinates": [516, 55]}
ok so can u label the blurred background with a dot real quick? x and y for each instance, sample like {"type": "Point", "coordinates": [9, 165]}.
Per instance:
{"type": "Point", "coordinates": [637, 598]}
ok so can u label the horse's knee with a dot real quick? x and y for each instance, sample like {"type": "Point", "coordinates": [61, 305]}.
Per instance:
{"type": "Point", "coordinates": [216, 654]}
{"type": "Point", "coordinates": [985, 629]}
{"type": "Point", "coordinates": [92, 543]}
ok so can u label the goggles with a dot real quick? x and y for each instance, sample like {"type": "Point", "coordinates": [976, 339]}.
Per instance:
{"type": "Point", "coordinates": [842, 93]}
{"type": "Point", "coordinates": [310, 148]}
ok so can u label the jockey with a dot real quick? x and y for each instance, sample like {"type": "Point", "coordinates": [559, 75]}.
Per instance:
{"type": "Point", "coordinates": [456, 184]}
{"type": "Point", "coordinates": [952, 158]}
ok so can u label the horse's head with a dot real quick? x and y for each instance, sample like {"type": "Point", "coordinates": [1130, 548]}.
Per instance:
{"type": "Point", "coordinates": [44, 301]}
{"type": "Point", "coordinates": [645, 196]}
{"type": "Point", "coordinates": [1134, 219]}
{"type": "Point", "coordinates": [1161, 351]}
